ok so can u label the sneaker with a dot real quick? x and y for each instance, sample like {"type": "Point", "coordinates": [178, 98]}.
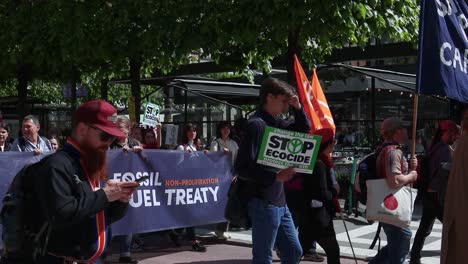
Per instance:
{"type": "Point", "coordinates": [313, 256]}
{"type": "Point", "coordinates": [415, 261]}
{"type": "Point", "coordinates": [222, 235]}
{"type": "Point", "coordinates": [128, 259]}
{"type": "Point", "coordinates": [196, 246]}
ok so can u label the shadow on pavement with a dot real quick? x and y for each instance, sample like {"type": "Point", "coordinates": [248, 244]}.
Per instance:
{"type": "Point", "coordinates": [357, 222]}
{"type": "Point", "coordinates": [226, 261]}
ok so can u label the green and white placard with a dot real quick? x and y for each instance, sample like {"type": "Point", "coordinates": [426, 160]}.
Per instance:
{"type": "Point", "coordinates": [151, 115]}
{"type": "Point", "coordinates": [282, 149]}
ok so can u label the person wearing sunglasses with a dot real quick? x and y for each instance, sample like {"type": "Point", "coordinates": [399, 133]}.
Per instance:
{"type": "Point", "coordinates": [74, 195]}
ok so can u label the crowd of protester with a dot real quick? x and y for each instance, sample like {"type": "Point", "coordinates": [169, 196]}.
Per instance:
{"type": "Point", "coordinates": [289, 212]}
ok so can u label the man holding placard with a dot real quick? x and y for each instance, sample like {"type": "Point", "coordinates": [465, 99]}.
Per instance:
{"type": "Point", "coordinates": [261, 181]}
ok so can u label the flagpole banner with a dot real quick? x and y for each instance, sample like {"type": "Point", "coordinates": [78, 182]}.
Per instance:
{"type": "Point", "coordinates": [306, 95]}
{"type": "Point", "coordinates": [443, 49]}
{"type": "Point", "coordinates": [321, 105]}
{"type": "Point", "coordinates": [183, 189]}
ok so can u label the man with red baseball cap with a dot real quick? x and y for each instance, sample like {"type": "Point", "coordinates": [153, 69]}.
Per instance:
{"type": "Point", "coordinates": [74, 195]}
{"type": "Point", "coordinates": [440, 151]}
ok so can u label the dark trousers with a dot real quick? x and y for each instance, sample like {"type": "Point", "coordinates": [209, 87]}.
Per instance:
{"type": "Point", "coordinates": [431, 211]}
{"type": "Point", "coordinates": [189, 233]}
{"type": "Point", "coordinates": [310, 230]}
{"type": "Point", "coordinates": [222, 227]}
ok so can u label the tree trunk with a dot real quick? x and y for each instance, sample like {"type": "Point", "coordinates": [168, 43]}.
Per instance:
{"type": "Point", "coordinates": [135, 67]}
{"type": "Point", "coordinates": [293, 48]}
{"type": "Point", "coordinates": [168, 102]}
{"type": "Point", "coordinates": [23, 77]}
{"type": "Point", "coordinates": [104, 88]}
{"type": "Point", "coordinates": [74, 77]}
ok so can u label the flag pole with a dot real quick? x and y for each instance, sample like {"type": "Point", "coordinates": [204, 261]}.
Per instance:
{"type": "Point", "coordinates": [415, 122]}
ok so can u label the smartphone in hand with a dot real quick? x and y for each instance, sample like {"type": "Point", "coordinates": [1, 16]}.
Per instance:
{"type": "Point", "coordinates": [142, 179]}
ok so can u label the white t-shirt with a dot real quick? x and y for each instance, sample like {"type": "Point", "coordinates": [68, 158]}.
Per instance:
{"type": "Point", "coordinates": [187, 147]}
{"type": "Point", "coordinates": [219, 145]}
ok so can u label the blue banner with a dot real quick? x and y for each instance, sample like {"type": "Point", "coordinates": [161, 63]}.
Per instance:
{"type": "Point", "coordinates": [184, 189]}
{"type": "Point", "coordinates": [443, 49]}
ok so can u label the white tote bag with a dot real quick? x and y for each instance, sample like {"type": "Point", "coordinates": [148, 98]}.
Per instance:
{"type": "Point", "coordinates": [391, 206]}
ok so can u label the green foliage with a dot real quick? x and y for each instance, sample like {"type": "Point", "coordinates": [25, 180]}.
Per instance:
{"type": "Point", "coordinates": [244, 32]}
{"type": "Point", "coordinates": [99, 38]}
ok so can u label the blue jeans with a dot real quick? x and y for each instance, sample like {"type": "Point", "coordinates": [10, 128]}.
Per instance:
{"type": "Point", "coordinates": [397, 248]}
{"type": "Point", "coordinates": [272, 224]}
{"type": "Point", "coordinates": [125, 244]}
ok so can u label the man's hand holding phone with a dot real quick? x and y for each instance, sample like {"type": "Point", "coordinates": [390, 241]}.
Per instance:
{"type": "Point", "coordinates": [129, 188]}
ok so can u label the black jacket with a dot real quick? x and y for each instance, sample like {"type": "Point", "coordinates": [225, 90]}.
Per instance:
{"type": "Point", "coordinates": [261, 180]}
{"type": "Point", "coordinates": [316, 186]}
{"type": "Point", "coordinates": [6, 147]}
{"type": "Point", "coordinates": [67, 201]}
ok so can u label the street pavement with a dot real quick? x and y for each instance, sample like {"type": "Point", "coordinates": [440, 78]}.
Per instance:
{"type": "Point", "coordinates": [159, 249]}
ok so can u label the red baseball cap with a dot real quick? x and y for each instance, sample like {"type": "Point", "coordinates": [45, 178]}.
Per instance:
{"type": "Point", "coordinates": [326, 134]}
{"type": "Point", "coordinates": [100, 114]}
{"type": "Point", "coordinates": [448, 125]}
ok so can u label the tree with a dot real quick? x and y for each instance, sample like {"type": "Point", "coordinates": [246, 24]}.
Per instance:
{"type": "Point", "coordinates": [60, 40]}
{"type": "Point", "coordinates": [244, 32]}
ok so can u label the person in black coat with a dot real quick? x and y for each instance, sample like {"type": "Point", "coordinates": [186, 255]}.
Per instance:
{"type": "Point", "coordinates": [74, 195]}
{"type": "Point", "coordinates": [317, 207]}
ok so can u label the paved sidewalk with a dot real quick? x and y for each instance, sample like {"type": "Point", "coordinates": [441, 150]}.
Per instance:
{"type": "Point", "coordinates": [158, 247]}
{"type": "Point", "coordinates": [216, 254]}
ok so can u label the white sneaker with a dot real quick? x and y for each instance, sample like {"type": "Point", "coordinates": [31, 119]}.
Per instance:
{"type": "Point", "coordinates": [222, 235]}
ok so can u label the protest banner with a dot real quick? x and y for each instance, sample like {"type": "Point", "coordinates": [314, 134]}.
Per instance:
{"type": "Point", "coordinates": [443, 49]}
{"type": "Point", "coordinates": [183, 189]}
{"type": "Point", "coordinates": [282, 149]}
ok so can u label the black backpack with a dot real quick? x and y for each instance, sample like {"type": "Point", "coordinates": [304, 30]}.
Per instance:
{"type": "Point", "coordinates": [423, 170]}
{"type": "Point", "coordinates": [367, 169]}
{"type": "Point", "coordinates": [24, 233]}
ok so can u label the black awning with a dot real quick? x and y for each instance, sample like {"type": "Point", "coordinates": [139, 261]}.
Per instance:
{"type": "Point", "coordinates": [217, 88]}
{"type": "Point", "coordinates": [346, 78]}
{"type": "Point", "coordinates": [233, 93]}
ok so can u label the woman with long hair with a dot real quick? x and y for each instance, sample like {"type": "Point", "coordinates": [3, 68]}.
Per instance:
{"type": "Point", "coordinates": [318, 207]}
{"type": "Point", "coordinates": [152, 138]}
{"type": "Point", "coordinates": [4, 137]}
{"type": "Point", "coordinates": [189, 135]}
{"type": "Point", "coordinates": [224, 143]}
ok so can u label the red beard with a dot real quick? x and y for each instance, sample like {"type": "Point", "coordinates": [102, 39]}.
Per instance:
{"type": "Point", "coordinates": [95, 164]}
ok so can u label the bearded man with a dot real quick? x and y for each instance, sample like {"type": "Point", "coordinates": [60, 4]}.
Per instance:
{"type": "Point", "coordinates": [70, 195]}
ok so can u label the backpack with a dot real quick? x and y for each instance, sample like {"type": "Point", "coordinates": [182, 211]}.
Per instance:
{"type": "Point", "coordinates": [367, 169]}
{"type": "Point", "coordinates": [423, 170]}
{"type": "Point", "coordinates": [24, 235]}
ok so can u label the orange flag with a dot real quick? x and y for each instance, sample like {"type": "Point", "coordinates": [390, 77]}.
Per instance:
{"type": "Point", "coordinates": [306, 96]}
{"type": "Point", "coordinates": [319, 101]}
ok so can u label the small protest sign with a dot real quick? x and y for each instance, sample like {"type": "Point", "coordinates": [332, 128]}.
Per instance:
{"type": "Point", "coordinates": [282, 149]}
{"type": "Point", "coordinates": [171, 134]}
{"type": "Point", "coordinates": [151, 115]}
